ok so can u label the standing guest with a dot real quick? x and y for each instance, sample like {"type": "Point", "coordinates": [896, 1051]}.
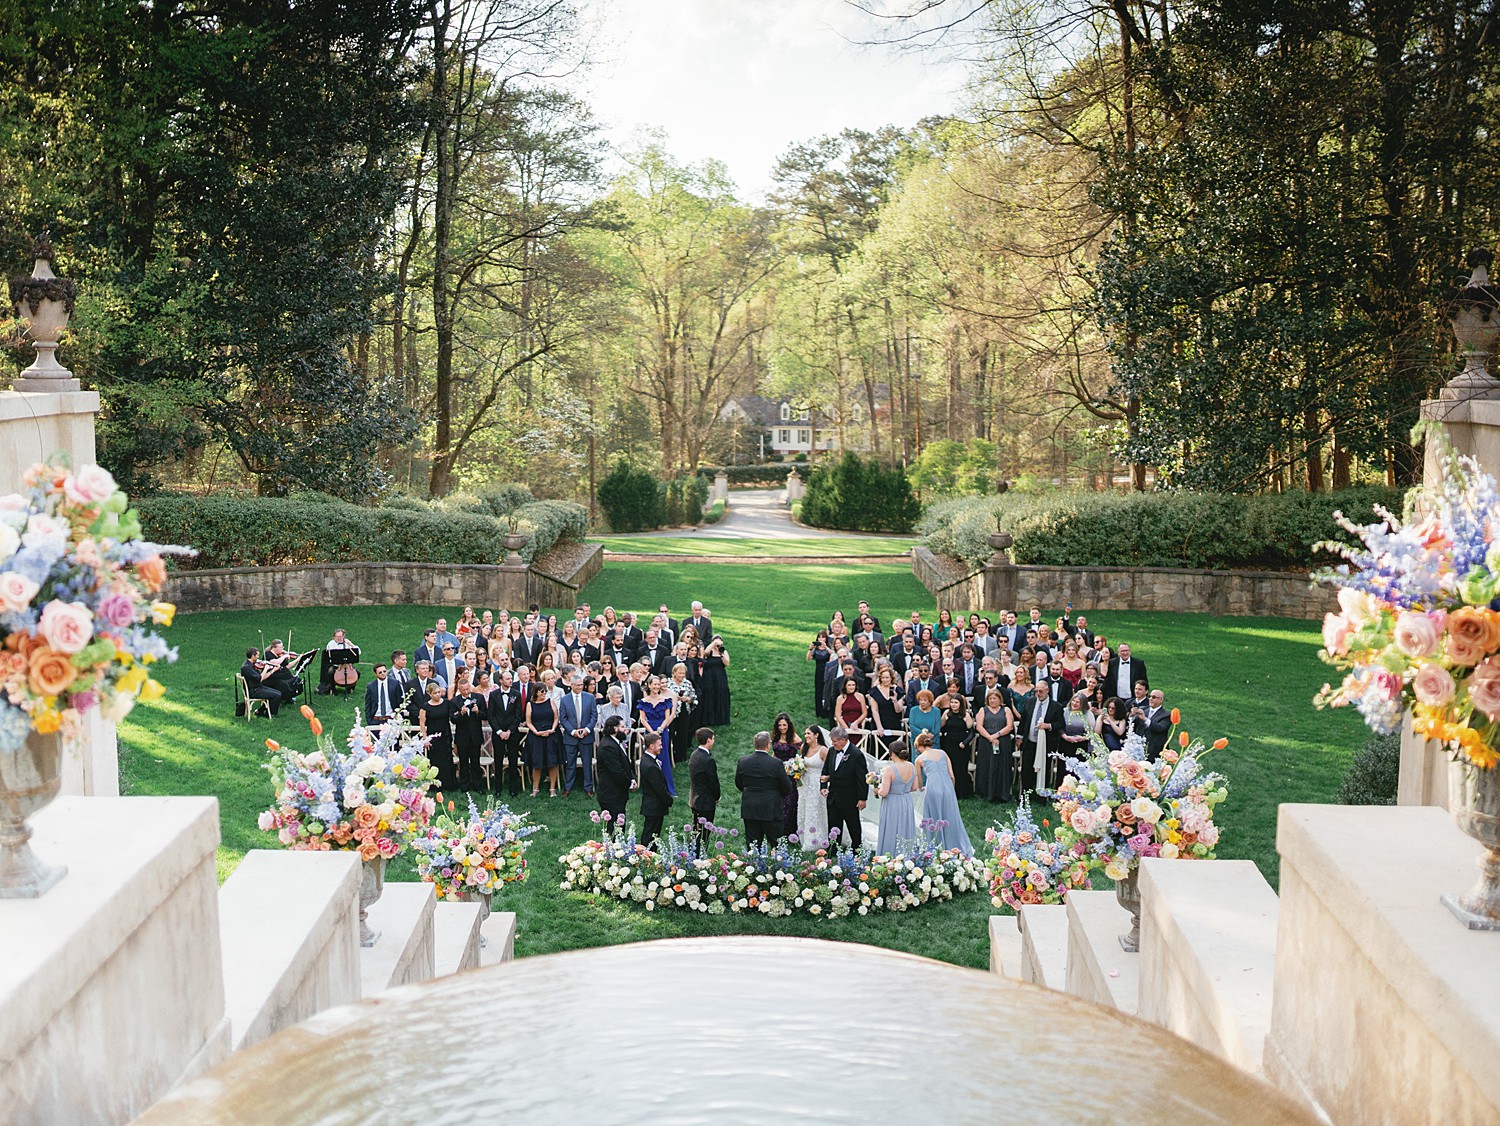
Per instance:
{"type": "Point", "coordinates": [1071, 667]}
{"type": "Point", "coordinates": [657, 710]}
{"type": "Point", "coordinates": [702, 625]}
{"type": "Point", "coordinates": [1155, 724]}
{"type": "Point", "coordinates": [257, 690]}
{"type": "Point", "coordinates": [435, 722]}
{"type": "Point", "coordinates": [1078, 725]}
{"type": "Point", "coordinates": [944, 625]}
{"type": "Point", "coordinates": [713, 694]}
{"type": "Point", "coordinates": [1113, 723]}
{"type": "Point", "coordinates": [703, 787]}
{"type": "Point", "coordinates": [994, 740]}
{"type": "Point", "coordinates": [382, 698]}
{"type": "Point", "coordinates": [578, 713]}
{"type": "Point", "coordinates": [401, 676]}
{"type": "Point", "coordinates": [613, 706]}
{"type": "Point", "coordinates": [888, 700]}
{"type": "Point", "coordinates": [656, 794]}
{"type": "Point", "coordinates": [763, 785]}
{"type": "Point", "coordinates": [819, 653]}
{"type": "Point", "coordinates": [419, 693]}
{"type": "Point", "coordinates": [786, 745]}
{"type": "Point", "coordinates": [544, 749]}
{"type": "Point", "coordinates": [468, 734]}
{"type": "Point", "coordinates": [1040, 723]}
{"type": "Point", "coordinates": [957, 731]}
{"type": "Point", "coordinates": [429, 650]}
{"type": "Point", "coordinates": [444, 638]}
{"type": "Point", "coordinates": [1123, 672]}
{"type": "Point", "coordinates": [614, 776]}
{"type": "Point", "coordinates": [851, 707]}
{"type": "Point", "coordinates": [447, 667]}
{"type": "Point", "coordinates": [938, 783]}
{"type": "Point", "coordinates": [898, 809]}
{"type": "Point", "coordinates": [845, 789]}
{"type": "Point", "coordinates": [924, 717]}
{"type": "Point", "coordinates": [506, 718]}
{"type": "Point", "coordinates": [686, 694]}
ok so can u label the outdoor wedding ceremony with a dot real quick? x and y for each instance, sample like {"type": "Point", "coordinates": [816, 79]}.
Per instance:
{"type": "Point", "coordinates": [808, 521]}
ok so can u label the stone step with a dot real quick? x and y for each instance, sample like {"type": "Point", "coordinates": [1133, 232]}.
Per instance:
{"type": "Point", "coordinates": [1006, 947]}
{"type": "Point", "coordinates": [499, 932]}
{"type": "Point", "coordinates": [404, 952]}
{"type": "Point", "coordinates": [455, 938]}
{"type": "Point", "coordinates": [1044, 945]}
{"type": "Point", "coordinates": [1099, 968]}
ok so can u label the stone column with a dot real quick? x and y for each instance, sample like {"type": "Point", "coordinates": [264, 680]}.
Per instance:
{"type": "Point", "coordinates": [721, 486]}
{"type": "Point", "coordinates": [1000, 575]}
{"type": "Point", "coordinates": [795, 489]}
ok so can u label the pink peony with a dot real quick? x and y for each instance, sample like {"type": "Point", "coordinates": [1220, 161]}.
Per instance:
{"type": "Point", "coordinates": [1385, 683]}
{"type": "Point", "coordinates": [117, 610]}
{"type": "Point", "coordinates": [1209, 834]}
{"type": "Point", "coordinates": [1433, 684]}
{"type": "Point", "coordinates": [16, 591]}
{"type": "Point", "coordinates": [1417, 635]}
{"type": "Point", "coordinates": [266, 821]}
{"type": "Point", "coordinates": [42, 530]}
{"type": "Point", "coordinates": [387, 847]}
{"type": "Point", "coordinates": [1484, 688]}
{"type": "Point", "coordinates": [1358, 606]}
{"type": "Point", "coordinates": [1082, 821]}
{"type": "Point", "coordinates": [1336, 631]}
{"type": "Point", "coordinates": [89, 485]}
{"type": "Point", "coordinates": [67, 626]}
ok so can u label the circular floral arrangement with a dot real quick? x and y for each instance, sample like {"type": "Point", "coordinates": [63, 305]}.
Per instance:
{"type": "Point", "coordinates": [783, 881]}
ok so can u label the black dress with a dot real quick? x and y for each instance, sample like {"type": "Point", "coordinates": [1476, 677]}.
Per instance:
{"type": "Point", "coordinates": [885, 706]}
{"type": "Point", "coordinates": [713, 692]}
{"type": "Point", "coordinates": [820, 669]}
{"type": "Point", "coordinates": [543, 752]}
{"type": "Point", "coordinates": [955, 738]}
{"type": "Point", "coordinates": [438, 718]}
{"type": "Point", "coordinates": [993, 773]}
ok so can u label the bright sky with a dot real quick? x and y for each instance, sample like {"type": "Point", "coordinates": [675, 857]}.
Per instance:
{"type": "Point", "coordinates": [742, 80]}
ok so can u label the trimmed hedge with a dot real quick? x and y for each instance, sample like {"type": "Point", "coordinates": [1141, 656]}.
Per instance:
{"type": "Point", "coordinates": [682, 500]}
{"type": "Point", "coordinates": [493, 500]}
{"type": "Point", "coordinates": [859, 496]}
{"type": "Point", "coordinates": [763, 475]}
{"type": "Point", "coordinates": [1373, 775]}
{"type": "Point", "coordinates": [715, 512]}
{"type": "Point", "coordinates": [630, 499]}
{"type": "Point", "coordinates": [1215, 531]}
{"type": "Point", "coordinates": [268, 531]}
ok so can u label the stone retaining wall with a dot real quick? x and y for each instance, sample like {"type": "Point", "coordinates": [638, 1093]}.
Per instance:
{"type": "Point", "coordinates": [377, 584]}
{"type": "Point", "coordinates": [1276, 594]}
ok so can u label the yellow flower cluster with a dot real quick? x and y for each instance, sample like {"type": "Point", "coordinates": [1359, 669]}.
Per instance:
{"type": "Point", "coordinates": [1432, 723]}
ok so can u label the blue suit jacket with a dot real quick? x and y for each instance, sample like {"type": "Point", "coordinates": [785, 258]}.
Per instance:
{"type": "Point", "coordinates": [570, 718]}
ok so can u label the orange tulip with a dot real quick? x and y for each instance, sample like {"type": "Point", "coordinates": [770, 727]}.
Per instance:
{"type": "Point", "coordinates": [1176, 716]}
{"type": "Point", "coordinates": [307, 712]}
{"type": "Point", "coordinates": [272, 745]}
{"type": "Point", "coordinates": [1220, 744]}
{"type": "Point", "coordinates": [1182, 739]}
{"type": "Point", "coordinates": [316, 724]}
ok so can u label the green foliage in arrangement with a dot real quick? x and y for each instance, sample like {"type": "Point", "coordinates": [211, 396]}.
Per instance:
{"type": "Point", "coordinates": [1373, 775]}
{"type": "Point", "coordinates": [859, 496]}
{"type": "Point", "coordinates": [683, 499]}
{"type": "Point", "coordinates": [1168, 529]}
{"type": "Point", "coordinates": [268, 531]}
{"type": "Point", "coordinates": [748, 476]}
{"type": "Point", "coordinates": [630, 499]}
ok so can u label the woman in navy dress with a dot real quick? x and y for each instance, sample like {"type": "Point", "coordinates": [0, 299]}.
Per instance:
{"type": "Point", "coordinates": [544, 745]}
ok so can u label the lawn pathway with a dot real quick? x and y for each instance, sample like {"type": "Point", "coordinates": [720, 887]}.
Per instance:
{"type": "Point", "coordinates": [752, 514]}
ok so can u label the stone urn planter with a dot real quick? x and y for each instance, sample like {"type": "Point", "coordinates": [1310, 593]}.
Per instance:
{"type": "Point", "coordinates": [372, 883]}
{"type": "Point", "coordinates": [1472, 313]}
{"type": "Point", "coordinates": [513, 542]}
{"type": "Point", "coordinates": [30, 778]}
{"type": "Point", "coordinates": [1474, 797]}
{"type": "Point", "coordinates": [1001, 542]}
{"type": "Point", "coordinates": [44, 302]}
{"type": "Point", "coordinates": [1128, 894]}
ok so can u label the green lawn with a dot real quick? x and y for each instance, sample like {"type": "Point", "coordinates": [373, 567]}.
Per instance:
{"type": "Point", "coordinates": [711, 545]}
{"type": "Point", "coordinates": [1248, 679]}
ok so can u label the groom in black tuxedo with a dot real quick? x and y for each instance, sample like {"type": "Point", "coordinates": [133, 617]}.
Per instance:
{"type": "Point", "coordinates": [845, 788]}
{"type": "Point", "coordinates": [703, 786]}
{"type": "Point", "coordinates": [764, 784]}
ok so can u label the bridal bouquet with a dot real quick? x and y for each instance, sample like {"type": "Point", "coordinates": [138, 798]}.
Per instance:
{"type": "Point", "coordinates": [1418, 624]}
{"type": "Point", "coordinates": [1029, 865]}
{"type": "Point", "coordinates": [796, 766]}
{"type": "Point", "coordinates": [78, 591]}
{"type": "Point", "coordinates": [1118, 807]}
{"type": "Point", "coordinates": [371, 799]}
{"type": "Point", "coordinates": [476, 854]}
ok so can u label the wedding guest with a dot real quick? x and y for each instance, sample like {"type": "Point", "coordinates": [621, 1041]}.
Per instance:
{"type": "Point", "coordinates": [578, 716]}
{"type": "Point", "coordinates": [657, 710]}
{"type": "Point", "coordinates": [1155, 724]}
{"type": "Point", "coordinates": [786, 745]}
{"type": "Point", "coordinates": [1078, 723]}
{"type": "Point", "coordinates": [994, 740]}
{"type": "Point", "coordinates": [1113, 723]}
{"type": "Point", "coordinates": [544, 749]}
{"type": "Point", "coordinates": [898, 810]}
{"type": "Point", "coordinates": [763, 784]}
{"type": "Point", "coordinates": [615, 706]}
{"type": "Point", "coordinates": [703, 787]}
{"type": "Point", "coordinates": [614, 776]}
{"type": "Point", "coordinates": [506, 718]}
{"type": "Point", "coordinates": [845, 789]}
{"type": "Point", "coordinates": [382, 698]}
{"type": "Point", "coordinates": [468, 734]}
{"type": "Point", "coordinates": [713, 692]}
{"type": "Point", "coordinates": [434, 721]}
{"type": "Point", "coordinates": [1041, 720]}
{"type": "Point", "coordinates": [656, 796]}
{"type": "Point", "coordinates": [820, 654]}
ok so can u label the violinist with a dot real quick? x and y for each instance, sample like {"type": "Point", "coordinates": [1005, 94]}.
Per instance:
{"type": "Point", "coordinates": [339, 665]}
{"type": "Point", "coordinates": [253, 671]}
{"type": "Point", "coordinates": [276, 670]}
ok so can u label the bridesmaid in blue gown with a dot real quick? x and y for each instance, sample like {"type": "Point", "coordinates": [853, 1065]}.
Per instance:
{"type": "Point", "coordinates": [657, 710]}
{"type": "Point", "coordinates": [940, 800]}
{"type": "Point", "coordinates": [898, 812]}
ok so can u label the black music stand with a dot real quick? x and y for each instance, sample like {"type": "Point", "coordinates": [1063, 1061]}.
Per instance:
{"type": "Point", "coordinates": [337, 658]}
{"type": "Point", "coordinates": [298, 667]}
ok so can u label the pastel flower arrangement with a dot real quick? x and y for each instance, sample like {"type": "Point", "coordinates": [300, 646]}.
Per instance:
{"type": "Point", "coordinates": [1028, 864]}
{"type": "Point", "coordinates": [371, 798]}
{"type": "Point", "coordinates": [796, 766]}
{"type": "Point", "coordinates": [1117, 807]}
{"type": "Point", "coordinates": [776, 882]}
{"type": "Point", "coordinates": [474, 855]}
{"type": "Point", "coordinates": [1418, 625]}
{"type": "Point", "coordinates": [78, 591]}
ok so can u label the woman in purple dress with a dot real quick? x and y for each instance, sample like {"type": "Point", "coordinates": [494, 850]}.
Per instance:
{"type": "Point", "coordinates": [786, 745]}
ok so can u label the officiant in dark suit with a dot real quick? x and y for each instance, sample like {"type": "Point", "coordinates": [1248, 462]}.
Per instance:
{"type": "Point", "coordinates": [1041, 738]}
{"type": "Point", "coordinates": [846, 788]}
{"type": "Point", "coordinates": [703, 786]}
{"type": "Point", "coordinates": [763, 783]}
{"type": "Point", "coordinates": [613, 774]}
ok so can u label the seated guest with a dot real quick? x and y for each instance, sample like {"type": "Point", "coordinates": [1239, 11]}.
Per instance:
{"type": "Point", "coordinates": [257, 689]}
{"type": "Point", "coordinates": [339, 651]}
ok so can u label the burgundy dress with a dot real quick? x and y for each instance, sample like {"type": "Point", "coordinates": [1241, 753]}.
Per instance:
{"type": "Point", "coordinates": [786, 752]}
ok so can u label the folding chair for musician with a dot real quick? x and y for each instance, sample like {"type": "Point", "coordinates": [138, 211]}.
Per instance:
{"type": "Point", "coordinates": [244, 703]}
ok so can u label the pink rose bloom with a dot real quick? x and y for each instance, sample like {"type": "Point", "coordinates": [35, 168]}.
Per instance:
{"type": "Point", "coordinates": [387, 847]}
{"type": "Point", "coordinates": [1385, 683]}
{"type": "Point", "coordinates": [1117, 759]}
{"type": "Point", "coordinates": [1484, 688]}
{"type": "Point", "coordinates": [1209, 834]}
{"type": "Point", "coordinates": [1082, 821]}
{"type": "Point", "coordinates": [1336, 631]}
{"type": "Point", "coordinates": [42, 529]}
{"type": "Point", "coordinates": [13, 502]}
{"type": "Point", "coordinates": [287, 837]}
{"type": "Point", "coordinates": [1464, 650]}
{"type": "Point", "coordinates": [266, 821]}
{"type": "Point", "coordinates": [89, 485]}
{"type": "Point", "coordinates": [1433, 684]}
{"type": "Point", "coordinates": [67, 626]}
{"type": "Point", "coordinates": [1417, 635]}
{"type": "Point", "coordinates": [117, 611]}
{"type": "Point", "coordinates": [16, 591]}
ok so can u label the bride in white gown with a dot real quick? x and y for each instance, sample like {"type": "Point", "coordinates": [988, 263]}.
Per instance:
{"type": "Point", "coordinates": [812, 811]}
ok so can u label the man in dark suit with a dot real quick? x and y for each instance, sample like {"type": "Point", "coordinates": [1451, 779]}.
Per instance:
{"type": "Point", "coordinates": [428, 651]}
{"type": "Point", "coordinates": [657, 652]}
{"type": "Point", "coordinates": [702, 625]}
{"type": "Point", "coordinates": [1153, 723]}
{"type": "Point", "coordinates": [966, 669]}
{"type": "Point", "coordinates": [382, 698]}
{"type": "Point", "coordinates": [1123, 673]}
{"type": "Point", "coordinates": [506, 715]}
{"type": "Point", "coordinates": [614, 776]}
{"type": "Point", "coordinates": [924, 679]}
{"type": "Point", "coordinates": [671, 623]}
{"type": "Point", "coordinates": [863, 611]}
{"type": "Point", "coordinates": [527, 649]}
{"type": "Point", "coordinates": [1041, 735]}
{"type": "Point", "coordinates": [468, 733]}
{"type": "Point", "coordinates": [763, 783]}
{"type": "Point", "coordinates": [845, 787]}
{"type": "Point", "coordinates": [578, 712]}
{"type": "Point", "coordinates": [1080, 629]}
{"type": "Point", "coordinates": [656, 799]}
{"type": "Point", "coordinates": [401, 676]}
{"type": "Point", "coordinates": [904, 652]}
{"type": "Point", "coordinates": [703, 786]}
{"type": "Point", "coordinates": [620, 647]}
{"type": "Point", "coordinates": [250, 670]}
